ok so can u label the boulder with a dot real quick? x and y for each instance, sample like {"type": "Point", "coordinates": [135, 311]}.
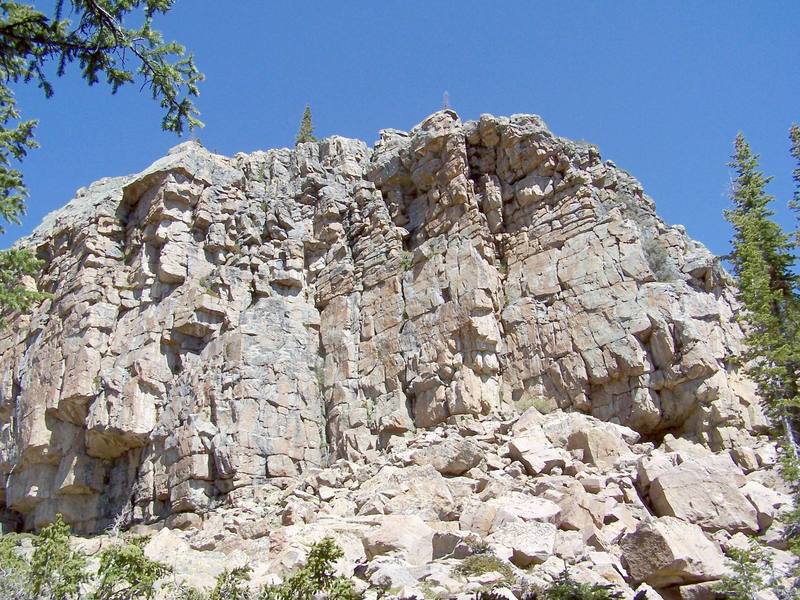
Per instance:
{"type": "Point", "coordinates": [666, 552]}
{"type": "Point", "coordinates": [406, 536]}
{"type": "Point", "coordinates": [419, 490]}
{"type": "Point", "coordinates": [651, 466]}
{"type": "Point", "coordinates": [767, 502]}
{"type": "Point", "coordinates": [388, 572]}
{"type": "Point", "coordinates": [599, 446]}
{"type": "Point", "coordinates": [705, 496]}
{"type": "Point", "coordinates": [477, 516]}
{"type": "Point", "coordinates": [531, 542]}
{"type": "Point", "coordinates": [451, 457]}
{"type": "Point", "coordinates": [579, 510]}
{"type": "Point", "coordinates": [518, 507]}
{"type": "Point", "coordinates": [534, 451]}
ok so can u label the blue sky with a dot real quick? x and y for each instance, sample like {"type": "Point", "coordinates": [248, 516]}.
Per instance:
{"type": "Point", "coordinates": [661, 88]}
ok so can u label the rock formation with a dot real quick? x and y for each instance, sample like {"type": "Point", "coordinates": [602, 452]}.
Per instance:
{"type": "Point", "coordinates": [220, 329]}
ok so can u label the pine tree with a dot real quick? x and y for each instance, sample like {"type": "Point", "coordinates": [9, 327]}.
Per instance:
{"type": "Point", "coordinates": [794, 203]}
{"type": "Point", "coordinates": [306, 132]}
{"type": "Point", "coordinates": [762, 259]}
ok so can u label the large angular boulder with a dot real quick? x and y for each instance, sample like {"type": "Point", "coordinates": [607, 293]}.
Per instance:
{"type": "Point", "coordinates": [767, 502]}
{"type": "Point", "coordinates": [516, 507]}
{"type": "Point", "coordinates": [531, 542]}
{"type": "Point", "coordinates": [580, 510]}
{"type": "Point", "coordinates": [667, 552]}
{"type": "Point", "coordinates": [599, 446]}
{"type": "Point", "coordinates": [454, 456]}
{"type": "Point", "coordinates": [534, 451]}
{"type": "Point", "coordinates": [406, 536]}
{"type": "Point", "coordinates": [705, 496]}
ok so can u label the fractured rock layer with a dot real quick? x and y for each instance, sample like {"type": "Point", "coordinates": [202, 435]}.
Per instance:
{"type": "Point", "coordinates": [219, 325]}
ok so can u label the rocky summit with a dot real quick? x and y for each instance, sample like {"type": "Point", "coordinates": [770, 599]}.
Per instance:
{"type": "Point", "coordinates": [474, 338]}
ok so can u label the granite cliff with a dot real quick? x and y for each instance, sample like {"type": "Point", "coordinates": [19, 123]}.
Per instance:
{"type": "Point", "coordinates": [353, 332]}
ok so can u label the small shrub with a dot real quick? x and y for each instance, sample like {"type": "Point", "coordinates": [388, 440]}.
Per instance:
{"type": "Point", "coordinates": [232, 585]}
{"type": "Point", "coordinates": [320, 374]}
{"type": "Point", "coordinates": [125, 572]}
{"type": "Point", "coordinates": [659, 261]}
{"type": "Point", "coordinates": [406, 261]}
{"type": "Point", "coordinates": [540, 403]}
{"type": "Point", "coordinates": [566, 588]}
{"type": "Point", "coordinates": [315, 577]}
{"type": "Point", "coordinates": [503, 268]}
{"type": "Point", "coordinates": [14, 571]}
{"type": "Point", "coordinates": [478, 546]}
{"type": "Point", "coordinates": [563, 588]}
{"type": "Point", "coordinates": [753, 572]}
{"type": "Point", "coordinates": [480, 564]}
{"type": "Point", "coordinates": [206, 283]}
{"type": "Point", "coordinates": [56, 571]}
{"type": "Point", "coordinates": [181, 591]}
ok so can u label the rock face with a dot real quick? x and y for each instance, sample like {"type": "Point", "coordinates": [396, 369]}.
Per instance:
{"type": "Point", "coordinates": [221, 326]}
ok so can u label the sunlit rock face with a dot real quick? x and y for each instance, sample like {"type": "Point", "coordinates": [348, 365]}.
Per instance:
{"type": "Point", "coordinates": [220, 325]}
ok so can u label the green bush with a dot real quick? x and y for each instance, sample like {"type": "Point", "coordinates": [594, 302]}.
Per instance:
{"type": "Point", "coordinates": [126, 573]}
{"type": "Point", "coordinates": [406, 261]}
{"type": "Point", "coordinates": [566, 588]}
{"type": "Point", "coordinates": [753, 572]}
{"type": "Point", "coordinates": [315, 577]}
{"type": "Point", "coordinates": [563, 588]}
{"type": "Point", "coordinates": [480, 564]}
{"type": "Point", "coordinates": [232, 585]}
{"type": "Point", "coordinates": [56, 571]}
{"type": "Point", "coordinates": [14, 571]}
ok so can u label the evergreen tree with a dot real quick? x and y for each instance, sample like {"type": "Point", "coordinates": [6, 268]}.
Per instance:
{"type": "Point", "coordinates": [763, 257]}
{"type": "Point", "coordinates": [306, 132]}
{"type": "Point", "coordinates": [96, 38]}
{"type": "Point", "coordinates": [794, 203]}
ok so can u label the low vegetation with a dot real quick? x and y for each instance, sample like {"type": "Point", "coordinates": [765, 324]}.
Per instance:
{"type": "Point", "coordinates": [480, 564]}
{"type": "Point", "coordinates": [406, 261]}
{"type": "Point", "coordinates": [659, 261]}
{"type": "Point", "coordinates": [55, 571]}
{"type": "Point", "coordinates": [315, 577]}
{"type": "Point", "coordinates": [752, 571]}
{"type": "Point", "coordinates": [563, 588]}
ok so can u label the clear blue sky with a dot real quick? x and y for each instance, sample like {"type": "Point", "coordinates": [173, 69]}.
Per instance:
{"type": "Point", "coordinates": [661, 88]}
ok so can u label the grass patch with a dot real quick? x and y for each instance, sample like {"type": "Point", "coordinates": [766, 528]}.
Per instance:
{"type": "Point", "coordinates": [480, 564]}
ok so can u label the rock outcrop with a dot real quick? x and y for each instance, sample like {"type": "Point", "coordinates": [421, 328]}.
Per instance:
{"type": "Point", "coordinates": [219, 329]}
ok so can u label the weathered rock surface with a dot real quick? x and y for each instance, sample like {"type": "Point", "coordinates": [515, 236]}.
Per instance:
{"type": "Point", "coordinates": [471, 337]}
{"type": "Point", "coordinates": [668, 551]}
